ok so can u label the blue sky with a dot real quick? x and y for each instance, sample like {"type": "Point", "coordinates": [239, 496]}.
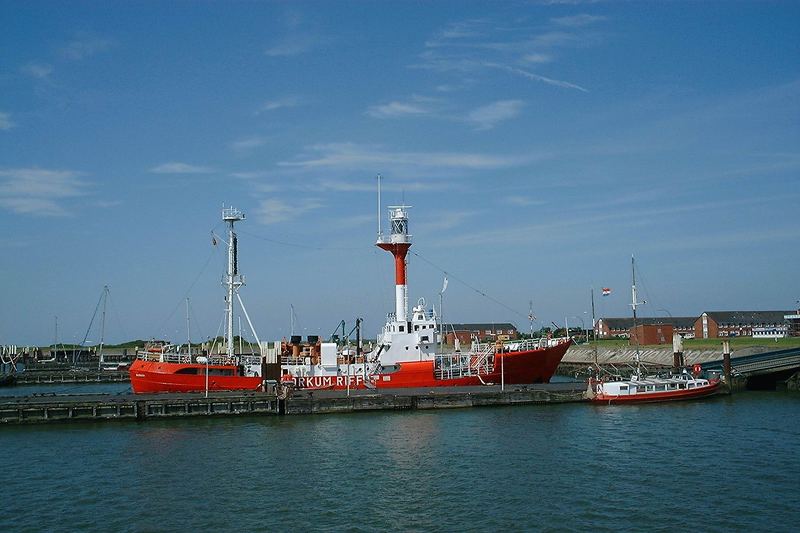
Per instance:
{"type": "Point", "coordinates": [540, 143]}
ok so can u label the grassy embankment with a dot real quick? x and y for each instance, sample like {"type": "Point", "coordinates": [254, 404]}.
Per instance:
{"type": "Point", "coordinates": [709, 344]}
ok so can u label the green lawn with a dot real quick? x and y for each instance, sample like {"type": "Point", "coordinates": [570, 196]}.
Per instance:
{"type": "Point", "coordinates": [710, 344]}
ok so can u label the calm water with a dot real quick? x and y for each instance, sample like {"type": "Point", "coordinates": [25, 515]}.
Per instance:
{"type": "Point", "coordinates": [718, 465]}
{"type": "Point", "coordinates": [66, 388]}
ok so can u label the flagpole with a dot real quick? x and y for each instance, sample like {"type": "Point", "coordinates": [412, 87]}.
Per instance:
{"type": "Point", "coordinates": [441, 315]}
{"type": "Point", "coordinates": [530, 317]}
{"type": "Point", "coordinates": [594, 330]}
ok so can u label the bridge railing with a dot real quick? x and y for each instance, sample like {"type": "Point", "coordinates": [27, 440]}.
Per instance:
{"type": "Point", "coordinates": [761, 362]}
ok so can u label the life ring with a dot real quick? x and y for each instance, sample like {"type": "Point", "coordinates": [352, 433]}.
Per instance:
{"type": "Point", "coordinates": [696, 369]}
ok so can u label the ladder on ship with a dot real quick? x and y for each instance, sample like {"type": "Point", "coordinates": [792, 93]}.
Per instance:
{"type": "Point", "coordinates": [459, 365]}
{"type": "Point", "coordinates": [483, 362]}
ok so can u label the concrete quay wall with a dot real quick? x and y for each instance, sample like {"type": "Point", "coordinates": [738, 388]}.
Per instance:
{"type": "Point", "coordinates": [585, 354]}
{"type": "Point", "coordinates": [98, 408]}
{"type": "Point", "coordinates": [450, 400]}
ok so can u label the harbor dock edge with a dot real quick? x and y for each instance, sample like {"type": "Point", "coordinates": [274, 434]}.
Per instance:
{"type": "Point", "coordinates": [136, 407]}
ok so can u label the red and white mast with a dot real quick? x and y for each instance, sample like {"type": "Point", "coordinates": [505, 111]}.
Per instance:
{"type": "Point", "coordinates": [397, 242]}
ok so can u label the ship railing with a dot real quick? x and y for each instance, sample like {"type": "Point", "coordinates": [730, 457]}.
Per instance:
{"type": "Point", "coordinates": [249, 360]}
{"type": "Point", "coordinates": [523, 345]}
{"type": "Point", "coordinates": [451, 366]}
{"type": "Point", "coordinates": [185, 358]}
{"type": "Point", "coordinates": [166, 355]}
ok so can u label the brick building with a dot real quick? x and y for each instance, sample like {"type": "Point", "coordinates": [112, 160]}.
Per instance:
{"type": "Point", "coordinates": [489, 331]}
{"type": "Point", "coordinates": [608, 328]}
{"type": "Point", "coordinates": [793, 321]}
{"type": "Point", "coordinates": [649, 334]}
{"type": "Point", "coordinates": [716, 324]}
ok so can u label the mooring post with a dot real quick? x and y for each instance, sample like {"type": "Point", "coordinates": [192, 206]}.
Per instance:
{"type": "Point", "coordinates": [677, 352]}
{"type": "Point", "coordinates": [726, 361]}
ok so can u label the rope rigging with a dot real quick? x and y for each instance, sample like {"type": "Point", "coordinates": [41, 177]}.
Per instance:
{"type": "Point", "coordinates": [75, 352]}
{"type": "Point", "coordinates": [188, 291]}
{"type": "Point", "coordinates": [478, 291]}
{"type": "Point", "coordinates": [302, 246]}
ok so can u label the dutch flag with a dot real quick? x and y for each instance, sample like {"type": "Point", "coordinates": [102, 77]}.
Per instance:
{"type": "Point", "coordinates": [606, 291]}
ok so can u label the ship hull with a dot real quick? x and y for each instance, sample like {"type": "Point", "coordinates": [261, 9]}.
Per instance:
{"type": "Point", "coordinates": [665, 396]}
{"type": "Point", "coordinates": [152, 376]}
{"type": "Point", "coordinates": [521, 367]}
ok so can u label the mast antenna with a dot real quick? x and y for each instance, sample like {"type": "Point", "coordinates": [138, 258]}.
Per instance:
{"type": "Point", "coordinates": [233, 279]}
{"type": "Point", "coordinates": [530, 315]}
{"type": "Point", "coordinates": [634, 303]}
{"type": "Point", "coordinates": [379, 206]}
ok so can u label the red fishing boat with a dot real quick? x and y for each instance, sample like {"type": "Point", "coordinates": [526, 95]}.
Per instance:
{"type": "Point", "coordinates": [405, 354]}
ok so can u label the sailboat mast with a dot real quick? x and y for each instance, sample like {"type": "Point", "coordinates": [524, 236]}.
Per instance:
{"type": "Point", "coordinates": [188, 330]}
{"type": "Point", "coordinates": [380, 232]}
{"type": "Point", "coordinates": [633, 290]}
{"type": "Point", "coordinates": [102, 327]}
{"type": "Point", "coordinates": [634, 303]}
{"type": "Point", "coordinates": [594, 329]}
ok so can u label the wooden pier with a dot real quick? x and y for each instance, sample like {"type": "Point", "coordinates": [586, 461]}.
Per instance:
{"type": "Point", "coordinates": [66, 376]}
{"type": "Point", "coordinates": [104, 407]}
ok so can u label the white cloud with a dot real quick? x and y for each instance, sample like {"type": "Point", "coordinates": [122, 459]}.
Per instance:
{"type": "Point", "coordinates": [248, 143]}
{"type": "Point", "coordinates": [537, 58]}
{"type": "Point", "coordinates": [396, 109]}
{"type": "Point", "coordinates": [488, 116]}
{"type": "Point", "coordinates": [523, 201]}
{"type": "Point", "coordinates": [293, 45]}
{"type": "Point", "coordinates": [5, 121]}
{"type": "Point", "coordinates": [473, 48]}
{"type": "Point", "coordinates": [273, 210]}
{"type": "Point", "coordinates": [180, 168]}
{"type": "Point", "coordinates": [280, 103]}
{"type": "Point", "coordinates": [553, 39]}
{"type": "Point", "coordinates": [85, 45]}
{"type": "Point", "coordinates": [577, 21]}
{"type": "Point", "coordinates": [38, 191]}
{"type": "Point", "coordinates": [38, 71]}
{"type": "Point", "coordinates": [537, 77]}
{"type": "Point", "coordinates": [360, 157]}
{"type": "Point", "coordinates": [368, 185]}
{"type": "Point", "coordinates": [417, 105]}
{"type": "Point", "coordinates": [250, 175]}
{"type": "Point", "coordinates": [457, 31]}
{"type": "Point", "coordinates": [564, 2]}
